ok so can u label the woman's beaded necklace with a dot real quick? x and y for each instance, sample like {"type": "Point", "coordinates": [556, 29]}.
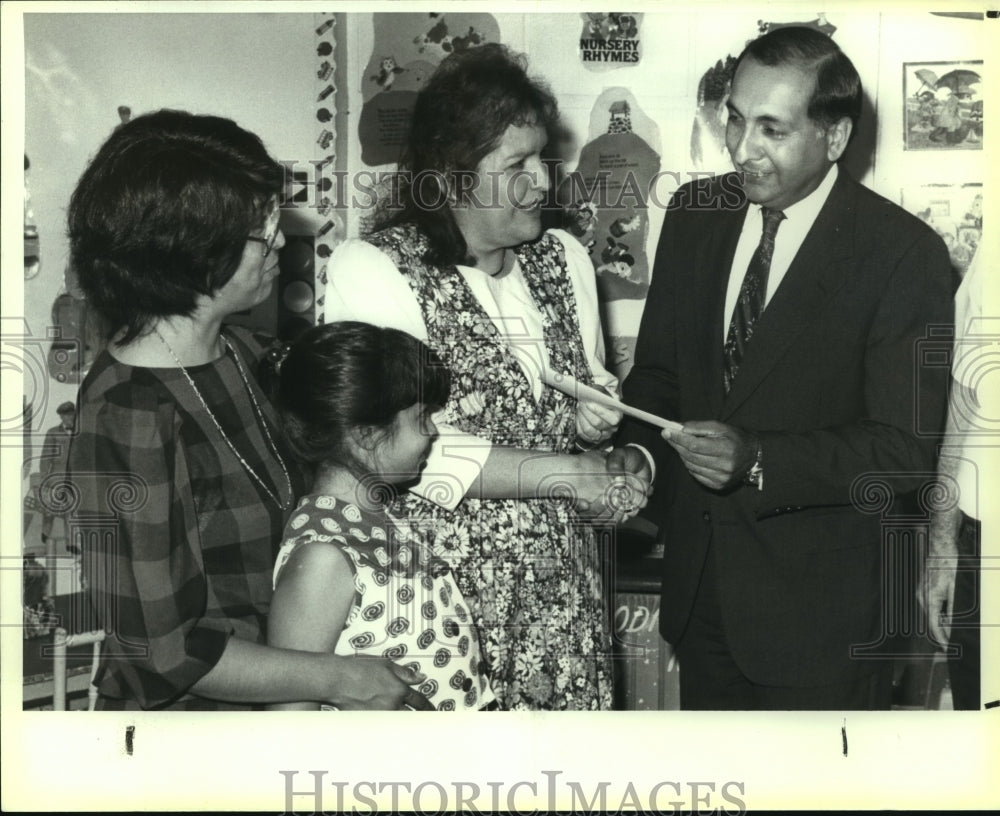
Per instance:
{"type": "Point", "coordinates": [284, 505]}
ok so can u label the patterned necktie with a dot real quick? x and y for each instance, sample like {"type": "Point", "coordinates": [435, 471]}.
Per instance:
{"type": "Point", "coordinates": [750, 302]}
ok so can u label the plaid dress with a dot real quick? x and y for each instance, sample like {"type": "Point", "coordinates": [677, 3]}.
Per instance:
{"type": "Point", "coordinates": [531, 569]}
{"type": "Point", "coordinates": [178, 540]}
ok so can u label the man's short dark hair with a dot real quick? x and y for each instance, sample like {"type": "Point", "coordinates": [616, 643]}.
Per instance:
{"type": "Point", "coordinates": [838, 87]}
{"type": "Point", "coordinates": [162, 214]}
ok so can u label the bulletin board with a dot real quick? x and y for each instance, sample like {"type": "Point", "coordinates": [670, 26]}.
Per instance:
{"type": "Point", "coordinates": [641, 96]}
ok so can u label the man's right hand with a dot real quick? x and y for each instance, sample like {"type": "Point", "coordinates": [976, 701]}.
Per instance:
{"type": "Point", "coordinates": [613, 486]}
{"type": "Point", "coordinates": [936, 590]}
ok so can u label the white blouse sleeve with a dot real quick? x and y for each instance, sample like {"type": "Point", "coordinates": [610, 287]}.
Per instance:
{"type": "Point", "coordinates": [364, 284]}
{"type": "Point", "coordinates": [970, 355]}
{"type": "Point", "coordinates": [584, 279]}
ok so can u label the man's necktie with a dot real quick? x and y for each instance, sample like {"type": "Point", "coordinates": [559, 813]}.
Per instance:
{"type": "Point", "coordinates": [750, 302]}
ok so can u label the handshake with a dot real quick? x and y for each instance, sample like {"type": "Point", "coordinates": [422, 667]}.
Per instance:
{"type": "Point", "coordinates": [612, 486]}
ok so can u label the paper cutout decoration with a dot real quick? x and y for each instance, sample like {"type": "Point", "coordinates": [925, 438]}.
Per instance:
{"type": "Point", "coordinates": [620, 352]}
{"type": "Point", "coordinates": [318, 188]}
{"type": "Point", "coordinates": [406, 50]}
{"type": "Point", "coordinates": [610, 40]}
{"type": "Point", "coordinates": [708, 133]}
{"type": "Point", "coordinates": [953, 211]}
{"type": "Point", "coordinates": [75, 338]}
{"type": "Point", "coordinates": [32, 262]}
{"type": "Point", "coordinates": [606, 197]}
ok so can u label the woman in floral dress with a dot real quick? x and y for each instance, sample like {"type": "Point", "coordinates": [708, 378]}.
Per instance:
{"type": "Point", "coordinates": [513, 485]}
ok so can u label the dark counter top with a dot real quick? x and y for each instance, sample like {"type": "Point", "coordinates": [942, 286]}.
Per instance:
{"type": "Point", "coordinates": [637, 559]}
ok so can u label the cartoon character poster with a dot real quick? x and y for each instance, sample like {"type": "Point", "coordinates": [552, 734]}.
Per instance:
{"type": "Point", "coordinates": [620, 354]}
{"type": "Point", "coordinates": [607, 196]}
{"type": "Point", "coordinates": [407, 49]}
{"type": "Point", "coordinates": [944, 105]}
{"type": "Point", "coordinates": [955, 212]}
{"type": "Point", "coordinates": [610, 40]}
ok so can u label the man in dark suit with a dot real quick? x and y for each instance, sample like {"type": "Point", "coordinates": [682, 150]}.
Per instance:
{"type": "Point", "coordinates": [782, 329]}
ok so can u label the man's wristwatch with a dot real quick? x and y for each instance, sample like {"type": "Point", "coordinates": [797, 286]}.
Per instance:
{"type": "Point", "coordinates": [755, 476]}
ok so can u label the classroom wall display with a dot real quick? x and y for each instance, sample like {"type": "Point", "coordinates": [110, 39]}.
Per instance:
{"type": "Point", "coordinates": [620, 354]}
{"type": "Point", "coordinates": [610, 40]}
{"type": "Point", "coordinates": [311, 208]}
{"type": "Point", "coordinates": [708, 132]}
{"type": "Point", "coordinates": [955, 211]}
{"type": "Point", "coordinates": [407, 48]}
{"type": "Point", "coordinates": [680, 88]}
{"type": "Point", "coordinates": [943, 105]}
{"type": "Point", "coordinates": [32, 264]}
{"type": "Point", "coordinates": [324, 195]}
{"type": "Point", "coordinates": [607, 195]}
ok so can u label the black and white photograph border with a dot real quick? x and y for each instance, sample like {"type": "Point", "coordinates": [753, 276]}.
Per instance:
{"type": "Point", "coordinates": [622, 761]}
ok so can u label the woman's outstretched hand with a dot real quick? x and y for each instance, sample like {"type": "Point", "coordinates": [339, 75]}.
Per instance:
{"type": "Point", "coordinates": [595, 423]}
{"type": "Point", "coordinates": [614, 486]}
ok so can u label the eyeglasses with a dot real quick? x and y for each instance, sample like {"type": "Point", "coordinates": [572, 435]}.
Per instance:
{"type": "Point", "coordinates": [267, 242]}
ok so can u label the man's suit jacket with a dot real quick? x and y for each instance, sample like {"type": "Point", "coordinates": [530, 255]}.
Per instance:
{"type": "Point", "coordinates": [832, 382]}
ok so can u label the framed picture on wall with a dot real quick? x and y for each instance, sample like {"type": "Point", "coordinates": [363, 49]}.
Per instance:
{"type": "Point", "coordinates": [943, 105]}
{"type": "Point", "coordinates": [955, 212]}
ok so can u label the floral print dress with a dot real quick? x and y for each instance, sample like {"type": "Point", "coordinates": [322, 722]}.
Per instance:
{"type": "Point", "coordinates": [531, 569]}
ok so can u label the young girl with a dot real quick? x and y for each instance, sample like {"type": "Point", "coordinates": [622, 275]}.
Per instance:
{"type": "Point", "coordinates": [356, 402]}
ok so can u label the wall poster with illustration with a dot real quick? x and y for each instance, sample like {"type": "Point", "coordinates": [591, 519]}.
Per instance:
{"type": "Point", "coordinates": [406, 50]}
{"type": "Point", "coordinates": [943, 105]}
{"type": "Point", "coordinates": [955, 212]}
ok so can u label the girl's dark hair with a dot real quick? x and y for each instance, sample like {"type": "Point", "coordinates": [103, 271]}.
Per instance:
{"type": "Point", "coordinates": [162, 214]}
{"type": "Point", "coordinates": [460, 116]}
{"type": "Point", "coordinates": [340, 376]}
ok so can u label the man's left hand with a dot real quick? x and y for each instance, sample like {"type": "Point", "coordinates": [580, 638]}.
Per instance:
{"type": "Point", "coordinates": [716, 454]}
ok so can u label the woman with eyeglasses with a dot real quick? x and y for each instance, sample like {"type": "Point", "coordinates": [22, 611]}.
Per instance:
{"type": "Point", "coordinates": [182, 478]}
